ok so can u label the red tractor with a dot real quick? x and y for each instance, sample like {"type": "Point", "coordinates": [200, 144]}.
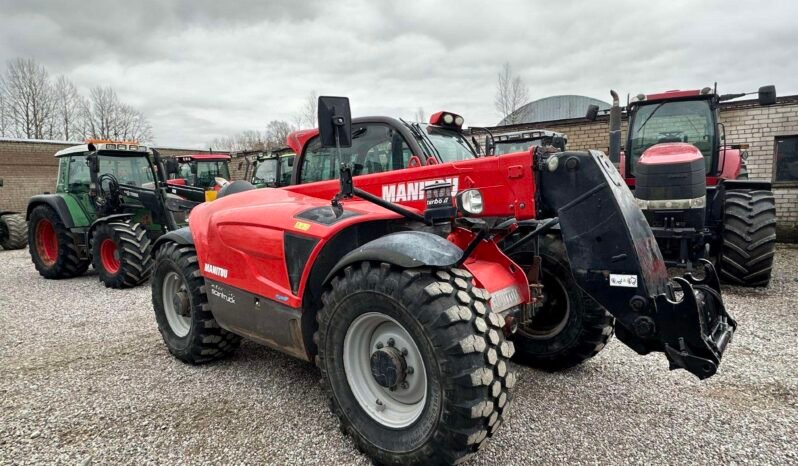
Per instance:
{"type": "Point", "coordinates": [395, 284]}
{"type": "Point", "coordinates": [206, 171]}
{"type": "Point", "coordinates": [693, 187]}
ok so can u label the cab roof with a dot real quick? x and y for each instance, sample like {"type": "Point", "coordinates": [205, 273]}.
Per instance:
{"type": "Point", "coordinates": [205, 156]}
{"type": "Point", "coordinates": [118, 149]}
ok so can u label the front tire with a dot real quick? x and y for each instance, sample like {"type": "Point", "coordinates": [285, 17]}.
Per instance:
{"type": "Point", "coordinates": [433, 321]}
{"type": "Point", "coordinates": [53, 250]}
{"type": "Point", "coordinates": [182, 311]}
{"type": "Point", "coordinates": [749, 238]}
{"type": "Point", "coordinates": [570, 327]}
{"type": "Point", "coordinates": [121, 254]}
{"type": "Point", "coordinates": [13, 231]}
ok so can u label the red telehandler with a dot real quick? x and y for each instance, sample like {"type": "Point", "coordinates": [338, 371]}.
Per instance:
{"type": "Point", "coordinates": [406, 304]}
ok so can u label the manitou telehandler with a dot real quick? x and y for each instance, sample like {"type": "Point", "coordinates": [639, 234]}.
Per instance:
{"type": "Point", "coordinates": [13, 229]}
{"type": "Point", "coordinates": [693, 186]}
{"type": "Point", "coordinates": [395, 284]}
{"type": "Point", "coordinates": [111, 200]}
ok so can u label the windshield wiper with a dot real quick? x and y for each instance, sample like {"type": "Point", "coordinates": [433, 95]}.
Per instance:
{"type": "Point", "coordinates": [649, 117]}
{"type": "Point", "coordinates": [415, 128]}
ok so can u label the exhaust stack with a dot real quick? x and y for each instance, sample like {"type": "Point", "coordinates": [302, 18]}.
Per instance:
{"type": "Point", "coordinates": [615, 129]}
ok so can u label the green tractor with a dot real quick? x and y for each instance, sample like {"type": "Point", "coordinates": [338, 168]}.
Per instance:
{"type": "Point", "coordinates": [13, 229]}
{"type": "Point", "coordinates": [270, 169]}
{"type": "Point", "coordinates": [110, 203]}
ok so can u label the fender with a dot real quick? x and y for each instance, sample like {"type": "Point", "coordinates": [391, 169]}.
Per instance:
{"type": "Point", "coordinates": [7, 212]}
{"type": "Point", "coordinates": [407, 249]}
{"type": "Point", "coordinates": [55, 202]}
{"type": "Point", "coordinates": [97, 223]}
{"type": "Point", "coordinates": [181, 236]}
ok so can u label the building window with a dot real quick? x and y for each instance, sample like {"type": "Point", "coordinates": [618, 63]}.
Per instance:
{"type": "Point", "coordinates": [785, 168]}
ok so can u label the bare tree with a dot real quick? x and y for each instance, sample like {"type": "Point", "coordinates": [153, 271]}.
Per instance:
{"type": "Point", "coordinates": [245, 140]}
{"type": "Point", "coordinates": [277, 132]}
{"type": "Point", "coordinates": [5, 130]}
{"type": "Point", "coordinates": [104, 116]}
{"type": "Point", "coordinates": [67, 108]}
{"type": "Point", "coordinates": [511, 94]}
{"type": "Point", "coordinates": [419, 116]}
{"type": "Point", "coordinates": [28, 94]}
{"type": "Point", "coordinates": [310, 110]}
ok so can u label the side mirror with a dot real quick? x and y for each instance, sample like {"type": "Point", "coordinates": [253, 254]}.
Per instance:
{"type": "Point", "coordinates": [767, 95]}
{"type": "Point", "coordinates": [291, 161]}
{"type": "Point", "coordinates": [476, 144]}
{"type": "Point", "coordinates": [1, 182]}
{"type": "Point", "coordinates": [240, 164]}
{"type": "Point", "coordinates": [592, 112]}
{"type": "Point", "coordinates": [335, 122]}
{"type": "Point", "coordinates": [171, 166]}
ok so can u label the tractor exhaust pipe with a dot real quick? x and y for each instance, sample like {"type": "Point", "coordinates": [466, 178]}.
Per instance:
{"type": "Point", "coordinates": [615, 129]}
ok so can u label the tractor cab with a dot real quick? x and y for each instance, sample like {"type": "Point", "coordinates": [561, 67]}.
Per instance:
{"type": "Point", "coordinates": [199, 170]}
{"type": "Point", "coordinates": [382, 144]}
{"type": "Point", "coordinates": [522, 141]}
{"type": "Point", "coordinates": [272, 169]}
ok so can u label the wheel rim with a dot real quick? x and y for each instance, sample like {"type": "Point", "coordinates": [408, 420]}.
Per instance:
{"type": "Point", "coordinates": [46, 242]}
{"type": "Point", "coordinates": [176, 304]}
{"type": "Point", "coordinates": [109, 256]}
{"type": "Point", "coordinates": [371, 340]}
{"type": "Point", "coordinates": [552, 316]}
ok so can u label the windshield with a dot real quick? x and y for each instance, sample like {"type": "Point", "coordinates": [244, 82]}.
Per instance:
{"type": "Point", "coordinates": [515, 146]}
{"type": "Point", "coordinates": [451, 146]}
{"type": "Point", "coordinates": [687, 121]}
{"type": "Point", "coordinates": [206, 174]}
{"type": "Point", "coordinates": [134, 171]}
{"type": "Point", "coordinates": [266, 172]}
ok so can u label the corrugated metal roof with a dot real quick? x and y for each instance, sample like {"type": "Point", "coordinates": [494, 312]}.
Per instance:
{"type": "Point", "coordinates": [558, 107]}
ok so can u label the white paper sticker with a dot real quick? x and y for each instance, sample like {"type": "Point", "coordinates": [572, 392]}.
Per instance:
{"type": "Point", "coordinates": [627, 281]}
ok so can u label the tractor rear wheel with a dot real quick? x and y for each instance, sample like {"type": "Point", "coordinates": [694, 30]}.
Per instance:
{"type": "Point", "coordinates": [181, 308]}
{"type": "Point", "coordinates": [749, 237]}
{"type": "Point", "coordinates": [414, 362]}
{"type": "Point", "coordinates": [120, 253]}
{"type": "Point", "coordinates": [569, 327]}
{"type": "Point", "coordinates": [13, 231]}
{"type": "Point", "coordinates": [53, 249]}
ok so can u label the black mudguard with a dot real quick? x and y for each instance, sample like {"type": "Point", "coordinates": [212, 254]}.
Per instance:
{"type": "Point", "coordinates": [55, 202]}
{"type": "Point", "coordinates": [180, 236]}
{"type": "Point", "coordinates": [407, 249]}
{"type": "Point", "coordinates": [615, 258]}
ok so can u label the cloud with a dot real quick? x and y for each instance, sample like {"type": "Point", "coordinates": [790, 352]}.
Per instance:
{"type": "Point", "coordinates": [202, 69]}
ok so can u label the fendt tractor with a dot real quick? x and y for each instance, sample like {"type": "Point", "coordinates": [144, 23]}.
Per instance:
{"type": "Point", "coordinates": [520, 141]}
{"type": "Point", "coordinates": [110, 202]}
{"type": "Point", "coordinates": [13, 229]}
{"type": "Point", "coordinates": [270, 169]}
{"type": "Point", "coordinates": [693, 186]}
{"type": "Point", "coordinates": [395, 285]}
{"type": "Point", "coordinates": [206, 171]}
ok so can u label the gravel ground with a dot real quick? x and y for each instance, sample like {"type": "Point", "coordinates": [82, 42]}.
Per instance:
{"type": "Point", "coordinates": [85, 378]}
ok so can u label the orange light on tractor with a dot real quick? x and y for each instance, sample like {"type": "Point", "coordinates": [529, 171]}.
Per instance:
{"type": "Point", "coordinates": [446, 119]}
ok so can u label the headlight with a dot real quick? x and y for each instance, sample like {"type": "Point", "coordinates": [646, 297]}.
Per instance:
{"type": "Point", "coordinates": [448, 118]}
{"type": "Point", "coordinates": [470, 202]}
{"type": "Point", "coordinates": [553, 163]}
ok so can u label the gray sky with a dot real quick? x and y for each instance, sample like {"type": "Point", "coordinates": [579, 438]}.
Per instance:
{"type": "Point", "coordinates": [202, 69]}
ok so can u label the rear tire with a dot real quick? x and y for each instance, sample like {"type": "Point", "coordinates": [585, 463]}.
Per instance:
{"type": "Point", "coordinates": [183, 314]}
{"type": "Point", "coordinates": [53, 249]}
{"type": "Point", "coordinates": [749, 238]}
{"type": "Point", "coordinates": [466, 373]}
{"type": "Point", "coordinates": [13, 231]}
{"type": "Point", "coordinates": [572, 326]}
{"type": "Point", "coordinates": [121, 254]}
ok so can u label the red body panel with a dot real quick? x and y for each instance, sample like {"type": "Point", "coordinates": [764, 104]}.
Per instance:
{"type": "Point", "coordinates": [675, 94]}
{"type": "Point", "coordinates": [297, 139]}
{"type": "Point", "coordinates": [177, 182]}
{"type": "Point", "coordinates": [243, 234]}
{"type": "Point", "coordinates": [670, 152]}
{"type": "Point", "coordinates": [730, 162]}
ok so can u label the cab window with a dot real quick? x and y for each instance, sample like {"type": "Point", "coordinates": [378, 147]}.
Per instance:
{"type": "Point", "coordinates": [78, 174]}
{"type": "Point", "coordinates": [375, 148]}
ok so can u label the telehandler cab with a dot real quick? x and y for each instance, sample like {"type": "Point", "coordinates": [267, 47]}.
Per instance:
{"type": "Point", "coordinates": [405, 304]}
{"type": "Point", "coordinates": [111, 200]}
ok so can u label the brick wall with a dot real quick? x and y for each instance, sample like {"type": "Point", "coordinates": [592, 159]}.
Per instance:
{"type": "Point", "coordinates": [746, 123]}
{"type": "Point", "coordinates": [29, 167]}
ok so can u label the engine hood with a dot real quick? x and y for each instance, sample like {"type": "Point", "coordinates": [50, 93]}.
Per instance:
{"type": "Point", "coordinates": [670, 153]}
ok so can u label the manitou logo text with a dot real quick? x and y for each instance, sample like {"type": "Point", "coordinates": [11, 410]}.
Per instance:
{"type": "Point", "coordinates": [413, 190]}
{"type": "Point", "coordinates": [216, 270]}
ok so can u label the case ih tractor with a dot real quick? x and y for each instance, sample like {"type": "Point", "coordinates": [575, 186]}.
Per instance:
{"type": "Point", "coordinates": [395, 285]}
{"type": "Point", "coordinates": [693, 187]}
{"type": "Point", "coordinates": [270, 169]}
{"type": "Point", "coordinates": [110, 202]}
{"type": "Point", "coordinates": [520, 141]}
{"type": "Point", "coordinates": [13, 229]}
{"type": "Point", "coordinates": [198, 170]}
